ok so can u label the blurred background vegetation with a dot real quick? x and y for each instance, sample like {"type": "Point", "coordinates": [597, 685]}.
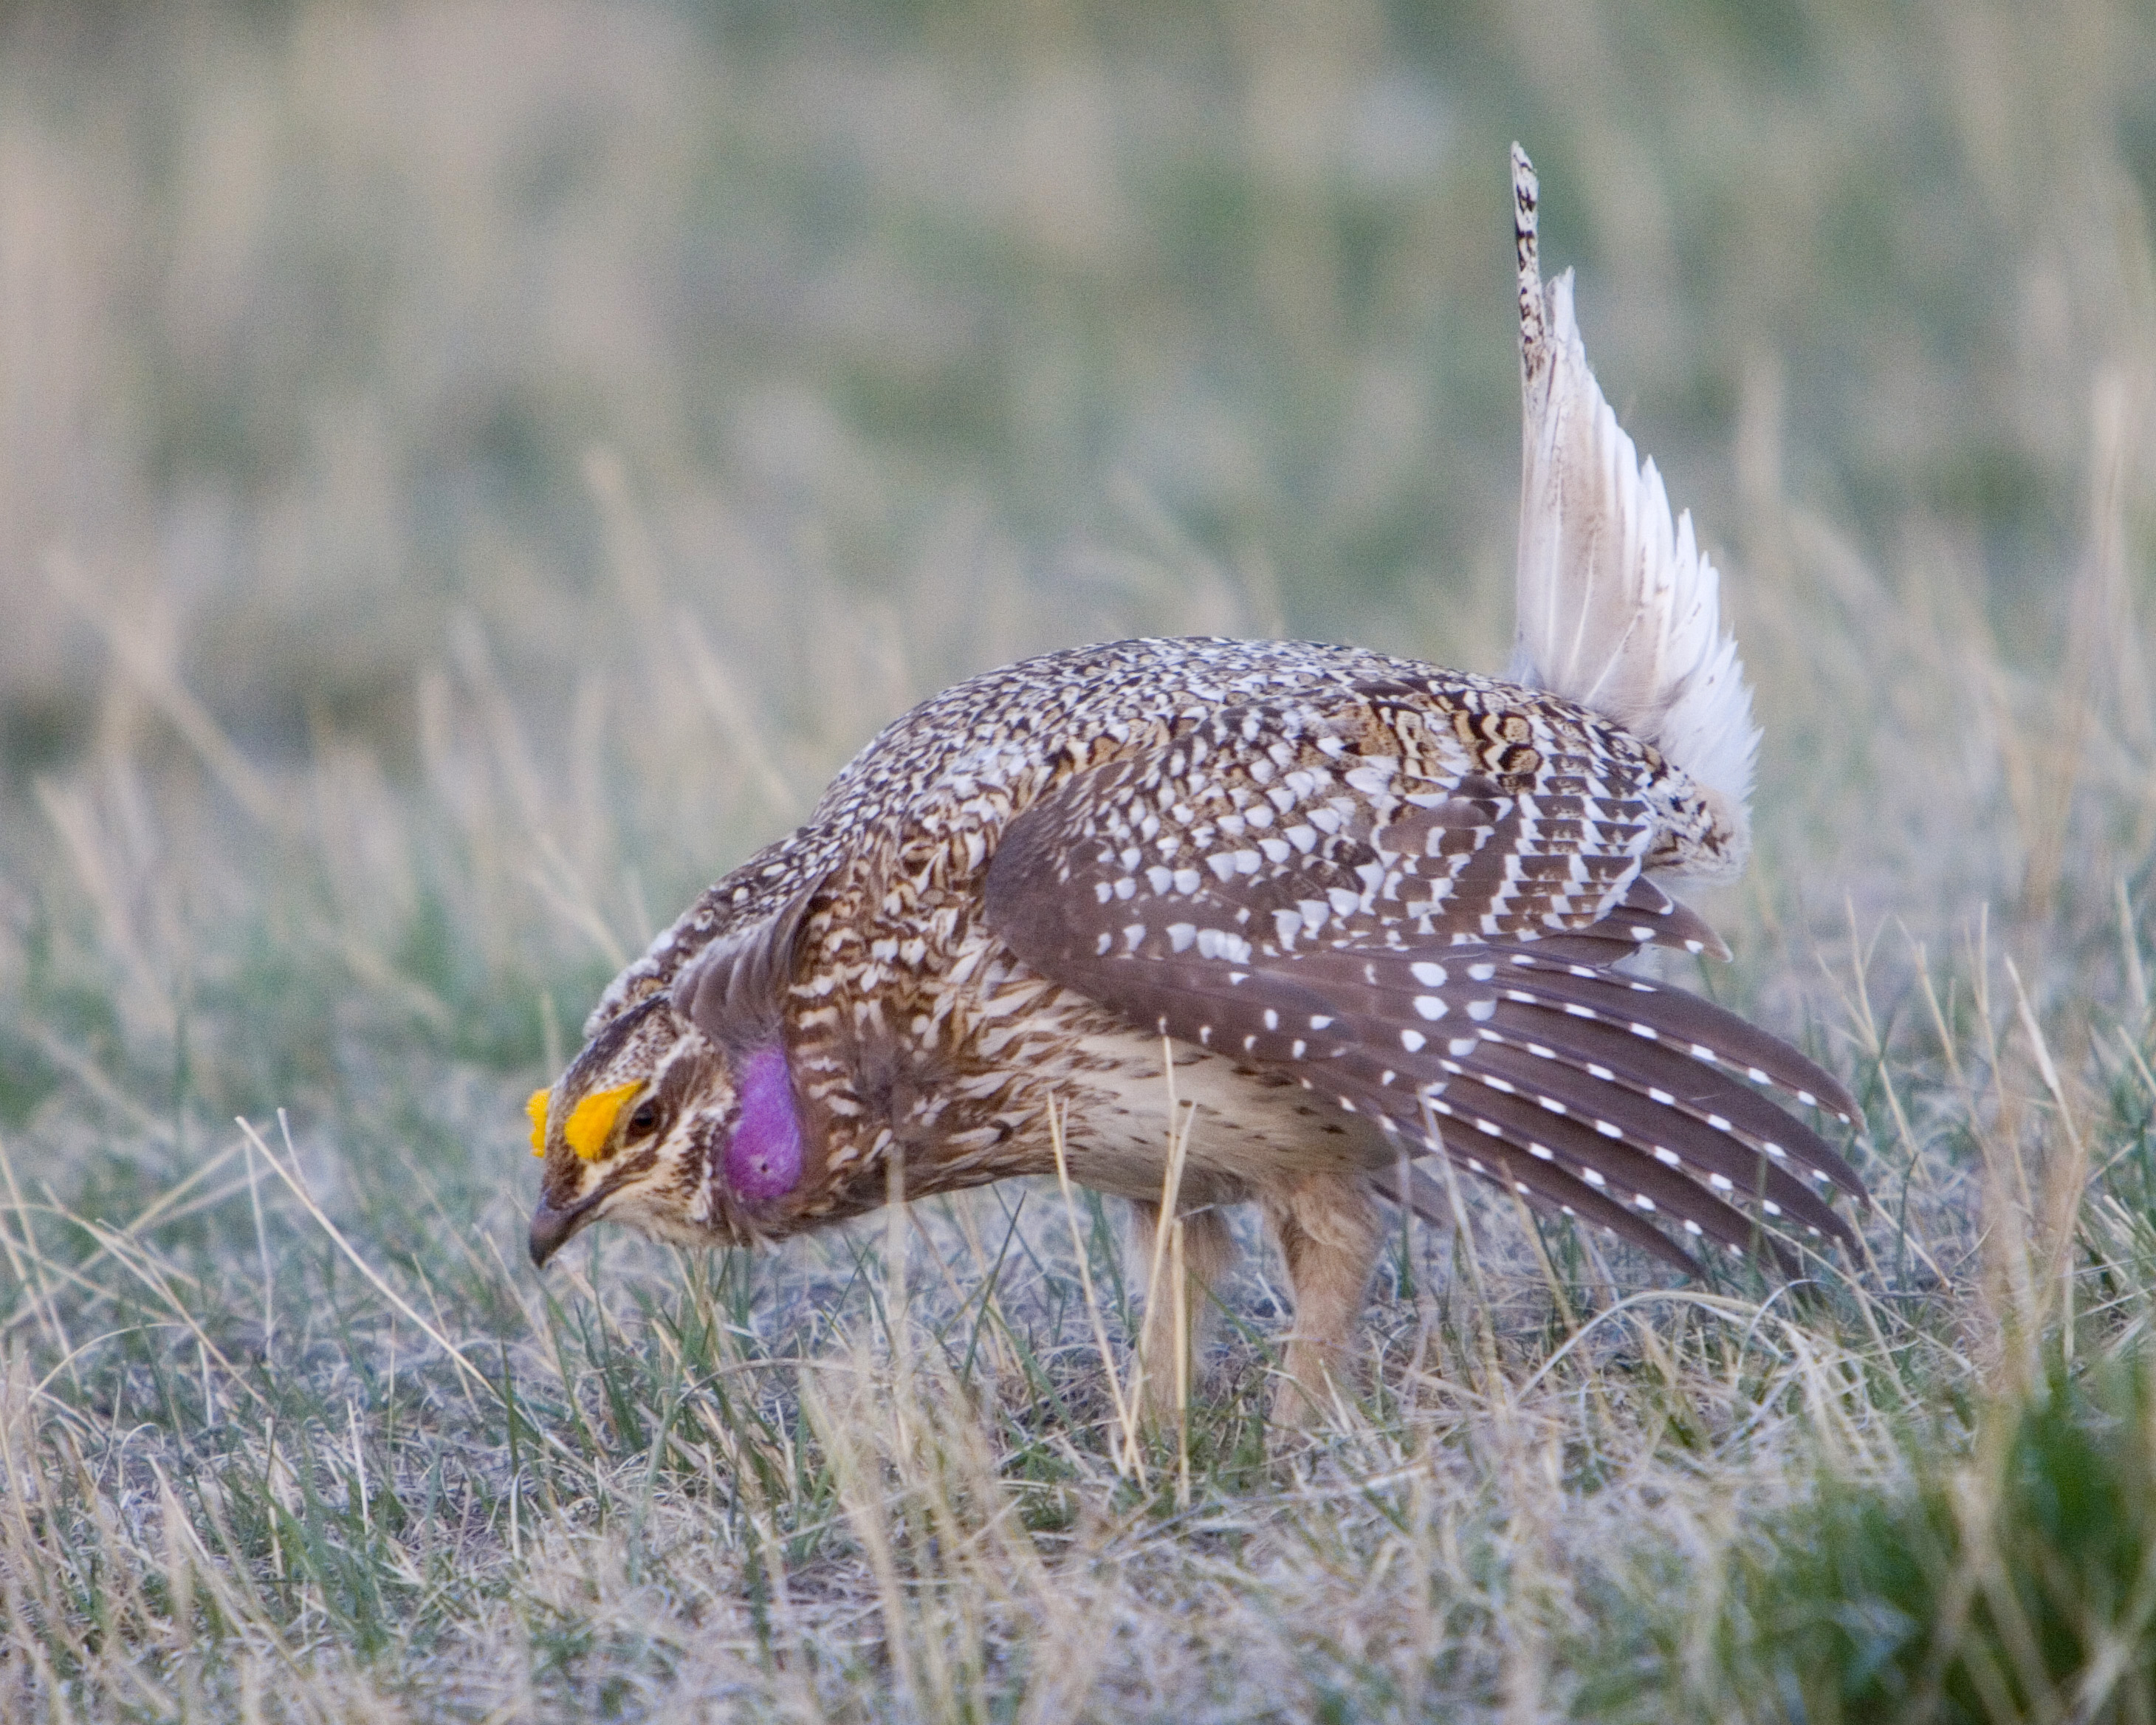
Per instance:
{"type": "Point", "coordinates": [995, 327]}
{"type": "Point", "coordinates": [469, 472]}
{"type": "Point", "coordinates": [696, 387]}
{"type": "Point", "coordinates": [315, 314]}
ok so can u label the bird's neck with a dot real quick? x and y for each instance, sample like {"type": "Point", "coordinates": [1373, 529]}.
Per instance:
{"type": "Point", "coordinates": [763, 1160]}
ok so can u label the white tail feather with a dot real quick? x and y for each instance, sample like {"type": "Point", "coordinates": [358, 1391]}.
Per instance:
{"type": "Point", "coordinates": [1618, 609]}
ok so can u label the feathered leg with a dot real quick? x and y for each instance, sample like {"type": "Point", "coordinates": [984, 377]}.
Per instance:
{"type": "Point", "coordinates": [1209, 1253]}
{"type": "Point", "coordinates": [1330, 1235]}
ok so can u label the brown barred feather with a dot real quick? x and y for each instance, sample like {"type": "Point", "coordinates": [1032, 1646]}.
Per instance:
{"type": "Point", "coordinates": [1658, 1070]}
{"type": "Point", "coordinates": [1544, 1186]}
{"type": "Point", "coordinates": [1702, 1029]}
{"type": "Point", "coordinates": [1676, 1136]}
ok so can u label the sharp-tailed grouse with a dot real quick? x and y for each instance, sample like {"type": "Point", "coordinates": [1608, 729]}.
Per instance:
{"type": "Point", "coordinates": [1372, 911]}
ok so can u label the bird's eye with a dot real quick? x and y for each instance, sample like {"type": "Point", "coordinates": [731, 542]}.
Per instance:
{"type": "Point", "coordinates": [646, 1117]}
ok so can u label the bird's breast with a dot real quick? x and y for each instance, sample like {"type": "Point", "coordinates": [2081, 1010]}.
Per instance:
{"type": "Point", "coordinates": [1128, 1096]}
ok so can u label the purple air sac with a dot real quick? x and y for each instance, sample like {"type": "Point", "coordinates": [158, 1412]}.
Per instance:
{"type": "Point", "coordinates": [764, 1159]}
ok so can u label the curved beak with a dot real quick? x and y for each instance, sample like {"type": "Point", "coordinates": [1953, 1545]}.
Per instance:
{"type": "Point", "coordinates": [551, 1229]}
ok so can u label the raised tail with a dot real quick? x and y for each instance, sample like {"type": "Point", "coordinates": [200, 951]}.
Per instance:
{"type": "Point", "coordinates": [1619, 610]}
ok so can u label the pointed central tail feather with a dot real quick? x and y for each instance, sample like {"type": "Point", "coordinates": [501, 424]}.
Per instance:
{"type": "Point", "coordinates": [1618, 608]}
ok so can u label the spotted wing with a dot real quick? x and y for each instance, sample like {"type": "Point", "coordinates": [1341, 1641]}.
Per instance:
{"type": "Point", "coordinates": [1399, 813]}
{"type": "Point", "coordinates": [1431, 949]}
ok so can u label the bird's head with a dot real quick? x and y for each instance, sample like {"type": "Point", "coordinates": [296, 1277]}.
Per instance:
{"type": "Point", "coordinates": [656, 1125]}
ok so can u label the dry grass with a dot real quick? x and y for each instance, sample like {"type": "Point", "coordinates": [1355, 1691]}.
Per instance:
{"type": "Point", "coordinates": [468, 473]}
